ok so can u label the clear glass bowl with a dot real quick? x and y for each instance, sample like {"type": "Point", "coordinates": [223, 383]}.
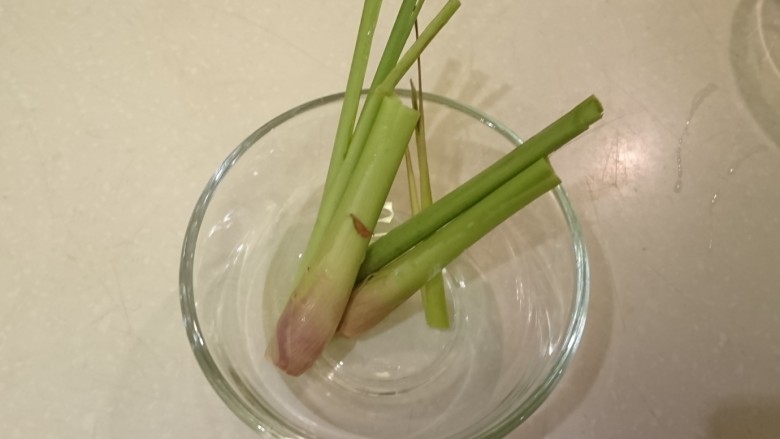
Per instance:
{"type": "Point", "coordinates": [518, 297]}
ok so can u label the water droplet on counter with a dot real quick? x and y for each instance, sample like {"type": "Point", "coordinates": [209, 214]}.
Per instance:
{"type": "Point", "coordinates": [716, 195]}
{"type": "Point", "coordinates": [698, 100]}
{"type": "Point", "coordinates": [678, 184]}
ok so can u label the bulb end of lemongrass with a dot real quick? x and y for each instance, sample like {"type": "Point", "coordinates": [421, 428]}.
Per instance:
{"type": "Point", "coordinates": [299, 340]}
{"type": "Point", "coordinates": [371, 302]}
{"type": "Point", "coordinates": [303, 331]}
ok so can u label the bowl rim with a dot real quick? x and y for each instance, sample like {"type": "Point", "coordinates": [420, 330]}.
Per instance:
{"type": "Point", "coordinates": [236, 404]}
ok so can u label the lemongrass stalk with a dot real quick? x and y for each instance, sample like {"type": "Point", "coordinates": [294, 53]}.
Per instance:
{"type": "Point", "coordinates": [434, 299]}
{"type": "Point", "coordinates": [346, 124]}
{"type": "Point", "coordinates": [402, 28]}
{"type": "Point", "coordinates": [426, 195]}
{"type": "Point", "coordinates": [389, 287]}
{"type": "Point", "coordinates": [417, 9]}
{"type": "Point", "coordinates": [427, 35]}
{"type": "Point", "coordinates": [417, 228]}
{"type": "Point", "coordinates": [365, 122]}
{"type": "Point", "coordinates": [314, 310]}
{"type": "Point", "coordinates": [387, 85]}
{"type": "Point", "coordinates": [433, 294]}
{"type": "Point", "coordinates": [414, 195]}
{"type": "Point", "coordinates": [357, 74]}
{"type": "Point", "coordinates": [411, 183]}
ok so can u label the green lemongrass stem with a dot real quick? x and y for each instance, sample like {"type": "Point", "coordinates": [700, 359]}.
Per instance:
{"type": "Point", "coordinates": [357, 74]}
{"type": "Point", "coordinates": [434, 298]}
{"type": "Point", "coordinates": [386, 87]}
{"type": "Point", "coordinates": [365, 122]}
{"type": "Point", "coordinates": [346, 124]}
{"type": "Point", "coordinates": [414, 199]}
{"type": "Point", "coordinates": [402, 27]}
{"type": "Point", "coordinates": [427, 35]}
{"type": "Point", "coordinates": [417, 228]}
{"type": "Point", "coordinates": [395, 45]}
{"type": "Point", "coordinates": [417, 9]}
{"type": "Point", "coordinates": [386, 289]}
{"type": "Point", "coordinates": [426, 195]}
{"type": "Point", "coordinates": [315, 307]}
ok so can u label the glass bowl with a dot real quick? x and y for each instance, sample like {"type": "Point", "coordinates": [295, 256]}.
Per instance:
{"type": "Point", "coordinates": [518, 297]}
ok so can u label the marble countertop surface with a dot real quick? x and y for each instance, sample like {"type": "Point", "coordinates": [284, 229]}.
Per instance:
{"type": "Point", "coordinates": [113, 115]}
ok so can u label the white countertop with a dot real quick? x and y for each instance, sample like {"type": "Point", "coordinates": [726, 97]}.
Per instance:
{"type": "Point", "coordinates": [114, 114]}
